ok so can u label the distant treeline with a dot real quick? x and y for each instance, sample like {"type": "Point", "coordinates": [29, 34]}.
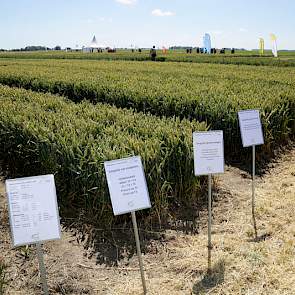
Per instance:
{"type": "Point", "coordinates": [35, 48]}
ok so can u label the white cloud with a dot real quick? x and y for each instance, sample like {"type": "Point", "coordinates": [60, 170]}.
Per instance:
{"type": "Point", "coordinates": [89, 21]}
{"type": "Point", "coordinates": [215, 32]}
{"type": "Point", "coordinates": [106, 19]}
{"type": "Point", "coordinates": [243, 30]}
{"type": "Point", "coordinates": [92, 21]}
{"type": "Point", "coordinates": [159, 12]}
{"type": "Point", "coordinates": [127, 2]}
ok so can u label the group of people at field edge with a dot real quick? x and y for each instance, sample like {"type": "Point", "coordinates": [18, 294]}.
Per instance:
{"type": "Point", "coordinates": [153, 51]}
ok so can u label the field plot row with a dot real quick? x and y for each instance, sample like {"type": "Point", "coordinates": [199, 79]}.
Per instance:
{"type": "Point", "coordinates": [204, 92]}
{"type": "Point", "coordinates": [43, 133]}
{"type": "Point", "coordinates": [286, 59]}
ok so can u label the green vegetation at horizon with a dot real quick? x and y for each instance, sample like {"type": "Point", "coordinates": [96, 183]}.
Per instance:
{"type": "Point", "coordinates": [241, 57]}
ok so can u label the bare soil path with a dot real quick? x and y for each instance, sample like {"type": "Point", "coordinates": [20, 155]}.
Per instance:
{"type": "Point", "coordinates": [177, 264]}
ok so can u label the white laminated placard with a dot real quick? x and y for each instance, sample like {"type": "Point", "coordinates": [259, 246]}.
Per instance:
{"type": "Point", "coordinates": [251, 129]}
{"type": "Point", "coordinates": [208, 152]}
{"type": "Point", "coordinates": [127, 185]}
{"type": "Point", "coordinates": [33, 210]}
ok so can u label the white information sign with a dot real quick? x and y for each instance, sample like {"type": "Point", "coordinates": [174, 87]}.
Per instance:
{"type": "Point", "coordinates": [251, 129]}
{"type": "Point", "coordinates": [33, 210]}
{"type": "Point", "coordinates": [127, 185]}
{"type": "Point", "coordinates": [208, 152]}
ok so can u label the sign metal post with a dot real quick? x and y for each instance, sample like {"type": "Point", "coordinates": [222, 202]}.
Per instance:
{"type": "Point", "coordinates": [253, 191]}
{"type": "Point", "coordinates": [209, 223]}
{"type": "Point", "coordinates": [42, 269]}
{"type": "Point", "coordinates": [135, 228]}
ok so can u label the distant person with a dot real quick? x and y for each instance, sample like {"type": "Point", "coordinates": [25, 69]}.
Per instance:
{"type": "Point", "coordinates": [233, 51]}
{"type": "Point", "coordinates": [153, 53]}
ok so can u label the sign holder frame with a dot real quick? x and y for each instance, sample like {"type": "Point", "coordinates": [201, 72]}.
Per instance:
{"type": "Point", "coordinates": [135, 228]}
{"type": "Point", "coordinates": [258, 139]}
{"type": "Point", "coordinates": [36, 241]}
{"type": "Point", "coordinates": [116, 194]}
{"type": "Point", "coordinates": [210, 173]}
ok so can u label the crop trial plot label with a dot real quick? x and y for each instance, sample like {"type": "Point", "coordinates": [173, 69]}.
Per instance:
{"type": "Point", "coordinates": [33, 209]}
{"type": "Point", "coordinates": [208, 152]}
{"type": "Point", "coordinates": [251, 129]}
{"type": "Point", "coordinates": [127, 185]}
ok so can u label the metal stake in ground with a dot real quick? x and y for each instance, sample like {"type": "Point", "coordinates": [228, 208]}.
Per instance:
{"type": "Point", "coordinates": [209, 223]}
{"type": "Point", "coordinates": [138, 251]}
{"type": "Point", "coordinates": [253, 191]}
{"type": "Point", "coordinates": [42, 269]}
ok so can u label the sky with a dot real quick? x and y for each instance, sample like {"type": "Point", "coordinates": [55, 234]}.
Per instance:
{"type": "Point", "coordinates": [144, 23]}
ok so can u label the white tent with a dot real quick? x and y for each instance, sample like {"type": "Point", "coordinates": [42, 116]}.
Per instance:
{"type": "Point", "coordinates": [94, 46]}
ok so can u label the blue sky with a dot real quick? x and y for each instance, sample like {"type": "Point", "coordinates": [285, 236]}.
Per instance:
{"type": "Point", "coordinates": [143, 23]}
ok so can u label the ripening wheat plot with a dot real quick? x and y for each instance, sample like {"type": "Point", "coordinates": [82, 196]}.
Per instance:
{"type": "Point", "coordinates": [47, 134]}
{"type": "Point", "coordinates": [107, 110]}
{"type": "Point", "coordinates": [204, 92]}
